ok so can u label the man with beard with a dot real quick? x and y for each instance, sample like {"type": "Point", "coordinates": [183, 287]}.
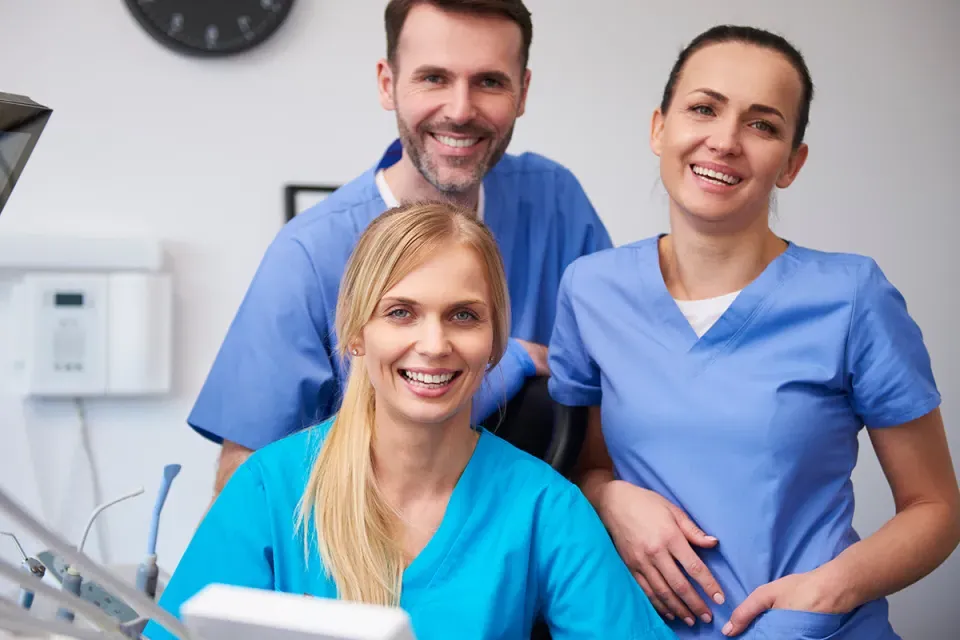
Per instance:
{"type": "Point", "coordinates": [456, 76]}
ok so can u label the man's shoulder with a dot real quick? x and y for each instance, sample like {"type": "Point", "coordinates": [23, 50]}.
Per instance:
{"type": "Point", "coordinates": [327, 232]}
{"type": "Point", "coordinates": [531, 165]}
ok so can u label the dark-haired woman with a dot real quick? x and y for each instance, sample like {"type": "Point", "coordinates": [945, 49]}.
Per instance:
{"type": "Point", "coordinates": [729, 372]}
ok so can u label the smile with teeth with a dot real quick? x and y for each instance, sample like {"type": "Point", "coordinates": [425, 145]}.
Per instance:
{"type": "Point", "coordinates": [429, 380]}
{"type": "Point", "coordinates": [459, 143]}
{"type": "Point", "coordinates": [715, 176]}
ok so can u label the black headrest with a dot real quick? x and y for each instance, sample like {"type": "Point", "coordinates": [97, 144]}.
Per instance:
{"type": "Point", "coordinates": [535, 423]}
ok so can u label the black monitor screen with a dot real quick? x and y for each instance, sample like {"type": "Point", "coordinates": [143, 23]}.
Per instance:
{"type": "Point", "coordinates": [21, 123]}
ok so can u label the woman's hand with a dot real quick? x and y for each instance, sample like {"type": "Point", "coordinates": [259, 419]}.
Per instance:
{"type": "Point", "coordinates": [800, 592]}
{"type": "Point", "coordinates": [653, 536]}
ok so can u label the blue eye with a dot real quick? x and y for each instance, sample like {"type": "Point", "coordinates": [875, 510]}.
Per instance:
{"type": "Point", "coordinates": [464, 316]}
{"type": "Point", "coordinates": [702, 109]}
{"type": "Point", "coordinates": [397, 313]}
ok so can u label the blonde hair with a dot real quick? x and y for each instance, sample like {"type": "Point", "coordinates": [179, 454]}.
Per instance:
{"type": "Point", "coordinates": [356, 529]}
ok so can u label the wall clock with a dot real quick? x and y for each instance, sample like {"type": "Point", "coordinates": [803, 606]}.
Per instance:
{"type": "Point", "coordinates": [210, 28]}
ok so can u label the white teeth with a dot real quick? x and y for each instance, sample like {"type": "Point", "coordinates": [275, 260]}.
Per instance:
{"type": "Point", "coordinates": [457, 142]}
{"type": "Point", "coordinates": [427, 378]}
{"type": "Point", "coordinates": [716, 175]}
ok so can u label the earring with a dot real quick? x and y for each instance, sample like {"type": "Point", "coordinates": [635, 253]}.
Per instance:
{"type": "Point", "coordinates": [356, 351]}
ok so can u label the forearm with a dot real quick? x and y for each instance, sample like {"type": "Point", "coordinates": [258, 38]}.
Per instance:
{"type": "Point", "coordinates": [595, 485]}
{"type": "Point", "coordinates": [907, 548]}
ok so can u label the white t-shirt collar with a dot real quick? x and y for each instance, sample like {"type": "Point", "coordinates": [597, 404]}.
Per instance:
{"type": "Point", "coordinates": [392, 201]}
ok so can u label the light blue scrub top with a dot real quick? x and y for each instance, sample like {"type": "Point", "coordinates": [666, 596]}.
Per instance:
{"type": "Point", "coordinates": [277, 371]}
{"type": "Point", "coordinates": [517, 539]}
{"type": "Point", "coordinates": [751, 429]}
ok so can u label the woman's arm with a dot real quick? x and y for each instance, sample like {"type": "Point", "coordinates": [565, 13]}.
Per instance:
{"type": "Point", "coordinates": [232, 545]}
{"type": "Point", "coordinates": [585, 591]}
{"type": "Point", "coordinates": [915, 458]}
{"type": "Point", "coordinates": [925, 530]}
{"type": "Point", "coordinates": [652, 535]}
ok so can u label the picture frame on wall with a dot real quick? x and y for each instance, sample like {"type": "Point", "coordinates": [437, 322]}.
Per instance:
{"type": "Point", "coordinates": [297, 198]}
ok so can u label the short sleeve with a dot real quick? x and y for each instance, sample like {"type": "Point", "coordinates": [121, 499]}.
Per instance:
{"type": "Point", "coordinates": [272, 375]}
{"type": "Point", "coordinates": [586, 590]}
{"type": "Point", "coordinates": [233, 546]}
{"type": "Point", "coordinates": [888, 365]}
{"type": "Point", "coordinates": [574, 376]}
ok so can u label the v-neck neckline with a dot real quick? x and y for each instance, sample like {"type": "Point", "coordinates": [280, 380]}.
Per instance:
{"type": "Point", "coordinates": [425, 565]}
{"type": "Point", "coordinates": [737, 315]}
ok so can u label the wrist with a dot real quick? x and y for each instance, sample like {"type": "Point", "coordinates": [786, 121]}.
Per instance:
{"type": "Point", "coordinates": [606, 491]}
{"type": "Point", "coordinates": [836, 594]}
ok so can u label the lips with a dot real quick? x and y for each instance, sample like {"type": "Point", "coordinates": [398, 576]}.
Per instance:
{"type": "Point", "coordinates": [456, 143]}
{"type": "Point", "coordinates": [437, 379]}
{"type": "Point", "coordinates": [725, 176]}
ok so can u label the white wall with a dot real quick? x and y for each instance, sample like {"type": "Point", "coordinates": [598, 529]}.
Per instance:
{"type": "Point", "coordinates": [144, 142]}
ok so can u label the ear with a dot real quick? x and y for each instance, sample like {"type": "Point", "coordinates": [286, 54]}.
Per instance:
{"type": "Point", "coordinates": [523, 93]}
{"type": "Point", "coordinates": [794, 164]}
{"type": "Point", "coordinates": [656, 132]}
{"type": "Point", "coordinates": [385, 85]}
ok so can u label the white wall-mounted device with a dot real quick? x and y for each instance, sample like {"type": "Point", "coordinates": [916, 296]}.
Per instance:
{"type": "Point", "coordinates": [88, 317]}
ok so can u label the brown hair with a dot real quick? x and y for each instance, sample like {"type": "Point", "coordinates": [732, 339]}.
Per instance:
{"type": "Point", "coordinates": [758, 38]}
{"type": "Point", "coordinates": [514, 10]}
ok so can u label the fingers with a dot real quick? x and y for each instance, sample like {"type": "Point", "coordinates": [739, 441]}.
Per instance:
{"type": "Point", "coordinates": [691, 531]}
{"type": "Point", "coordinates": [697, 570]}
{"type": "Point", "coordinates": [654, 600]}
{"type": "Point", "coordinates": [681, 588]}
{"type": "Point", "coordinates": [662, 591]}
{"type": "Point", "coordinates": [755, 604]}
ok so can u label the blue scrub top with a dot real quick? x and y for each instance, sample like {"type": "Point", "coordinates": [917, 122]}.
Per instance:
{"type": "Point", "coordinates": [751, 429]}
{"type": "Point", "coordinates": [516, 540]}
{"type": "Point", "coordinates": [277, 371]}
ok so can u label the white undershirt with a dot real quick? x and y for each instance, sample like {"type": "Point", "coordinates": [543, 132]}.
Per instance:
{"type": "Point", "coordinates": [702, 314]}
{"type": "Point", "coordinates": [392, 201]}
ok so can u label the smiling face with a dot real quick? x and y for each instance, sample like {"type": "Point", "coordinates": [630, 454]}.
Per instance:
{"type": "Point", "coordinates": [726, 140]}
{"type": "Point", "coordinates": [457, 86]}
{"type": "Point", "coordinates": [430, 339]}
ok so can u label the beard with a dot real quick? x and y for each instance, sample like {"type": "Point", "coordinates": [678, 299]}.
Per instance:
{"type": "Point", "coordinates": [430, 167]}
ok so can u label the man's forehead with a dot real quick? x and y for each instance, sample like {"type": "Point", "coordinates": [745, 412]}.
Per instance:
{"type": "Point", "coordinates": [459, 42]}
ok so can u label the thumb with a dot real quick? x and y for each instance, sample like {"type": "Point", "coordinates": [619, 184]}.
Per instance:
{"type": "Point", "coordinates": [691, 531]}
{"type": "Point", "coordinates": [755, 604]}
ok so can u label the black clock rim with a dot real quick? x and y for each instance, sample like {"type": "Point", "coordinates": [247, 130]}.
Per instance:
{"type": "Point", "coordinates": [172, 43]}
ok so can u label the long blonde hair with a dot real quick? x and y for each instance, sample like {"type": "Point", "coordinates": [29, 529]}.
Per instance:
{"type": "Point", "coordinates": [356, 529]}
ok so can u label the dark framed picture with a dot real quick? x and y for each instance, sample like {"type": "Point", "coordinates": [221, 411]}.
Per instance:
{"type": "Point", "coordinates": [300, 197]}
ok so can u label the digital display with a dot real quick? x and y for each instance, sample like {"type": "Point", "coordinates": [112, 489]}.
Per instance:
{"type": "Point", "coordinates": [68, 300]}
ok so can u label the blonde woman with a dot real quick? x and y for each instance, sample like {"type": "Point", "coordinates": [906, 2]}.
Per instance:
{"type": "Point", "coordinates": [398, 499]}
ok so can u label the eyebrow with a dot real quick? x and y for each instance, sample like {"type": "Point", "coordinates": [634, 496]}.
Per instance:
{"type": "Point", "coordinates": [414, 303]}
{"type": "Point", "coordinates": [761, 108]}
{"type": "Point", "coordinates": [431, 70]}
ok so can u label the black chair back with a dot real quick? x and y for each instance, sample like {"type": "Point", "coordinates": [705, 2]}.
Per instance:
{"type": "Point", "coordinates": [535, 423]}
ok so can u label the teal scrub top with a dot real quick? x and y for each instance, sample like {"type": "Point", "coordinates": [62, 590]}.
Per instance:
{"type": "Point", "coordinates": [517, 541]}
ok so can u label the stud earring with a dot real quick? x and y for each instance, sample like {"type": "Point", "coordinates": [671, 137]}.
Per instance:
{"type": "Point", "coordinates": [356, 351]}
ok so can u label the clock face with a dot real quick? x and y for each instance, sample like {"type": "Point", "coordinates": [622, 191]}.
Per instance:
{"type": "Point", "coordinates": [210, 27]}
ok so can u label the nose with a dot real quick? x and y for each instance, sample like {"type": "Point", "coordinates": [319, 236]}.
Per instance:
{"type": "Point", "coordinates": [724, 137]}
{"type": "Point", "coordinates": [460, 108]}
{"type": "Point", "coordinates": [433, 340]}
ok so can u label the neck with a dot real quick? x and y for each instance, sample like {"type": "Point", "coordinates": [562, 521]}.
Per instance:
{"type": "Point", "coordinates": [414, 462]}
{"type": "Point", "coordinates": [408, 185]}
{"type": "Point", "coordinates": [699, 262]}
